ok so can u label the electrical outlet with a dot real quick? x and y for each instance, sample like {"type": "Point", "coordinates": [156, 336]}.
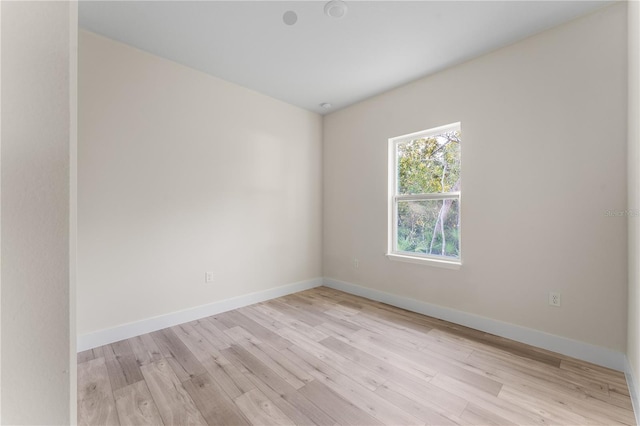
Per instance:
{"type": "Point", "coordinates": [554, 299]}
{"type": "Point", "coordinates": [356, 263]}
{"type": "Point", "coordinates": [208, 277]}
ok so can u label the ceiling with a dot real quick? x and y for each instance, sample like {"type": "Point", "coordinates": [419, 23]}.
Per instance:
{"type": "Point", "coordinates": [377, 46]}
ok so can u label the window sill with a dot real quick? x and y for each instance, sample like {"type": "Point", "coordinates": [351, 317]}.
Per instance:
{"type": "Point", "coordinates": [438, 263]}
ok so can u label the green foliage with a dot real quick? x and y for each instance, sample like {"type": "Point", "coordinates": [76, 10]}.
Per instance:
{"type": "Point", "coordinates": [429, 165]}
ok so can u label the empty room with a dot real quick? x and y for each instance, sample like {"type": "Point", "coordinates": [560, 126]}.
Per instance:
{"type": "Point", "coordinates": [320, 212]}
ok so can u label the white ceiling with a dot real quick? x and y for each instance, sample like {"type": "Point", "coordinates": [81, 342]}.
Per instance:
{"type": "Point", "coordinates": [379, 45]}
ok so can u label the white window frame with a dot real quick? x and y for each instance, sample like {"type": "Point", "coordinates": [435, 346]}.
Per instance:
{"type": "Point", "coordinates": [392, 252]}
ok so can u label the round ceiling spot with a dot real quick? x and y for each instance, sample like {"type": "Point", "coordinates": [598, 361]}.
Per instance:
{"type": "Point", "coordinates": [290, 17]}
{"type": "Point", "coordinates": [325, 105]}
{"type": "Point", "coordinates": [336, 9]}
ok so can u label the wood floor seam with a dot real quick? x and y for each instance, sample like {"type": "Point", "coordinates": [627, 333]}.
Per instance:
{"type": "Point", "coordinates": [325, 357]}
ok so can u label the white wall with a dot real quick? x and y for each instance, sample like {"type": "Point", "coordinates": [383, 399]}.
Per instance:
{"type": "Point", "coordinates": [181, 173]}
{"type": "Point", "coordinates": [36, 118]}
{"type": "Point", "coordinates": [633, 325]}
{"type": "Point", "coordinates": [544, 156]}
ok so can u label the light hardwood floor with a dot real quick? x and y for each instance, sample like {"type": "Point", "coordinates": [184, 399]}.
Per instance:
{"type": "Point", "coordinates": [326, 357]}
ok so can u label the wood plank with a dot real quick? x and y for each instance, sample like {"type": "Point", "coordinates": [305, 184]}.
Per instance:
{"type": "Point", "coordinates": [85, 356]}
{"type": "Point", "coordinates": [352, 318]}
{"type": "Point", "coordinates": [337, 322]}
{"type": "Point", "coordinates": [197, 345]}
{"type": "Point", "coordinates": [366, 377]}
{"type": "Point", "coordinates": [260, 410]}
{"type": "Point", "coordinates": [222, 371]}
{"type": "Point", "coordinates": [618, 387]}
{"type": "Point", "coordinates": [98, 352]}
{"type": "Point", "coordinates": [451, 367]}
{"type": "Point", "coordinates": [233, 318]}
{"type": "Point", "coordinates": [220, 368]}
{"type": "Point", "coordinates": [385, 369]}
{"type": "Point", "coordinates": [419, 369]}
{"type": "Point", "coordinates": [558, 413]}
{"type": "Point", "coordinates": [264, 320]}
{"type": "Point", "coordinates": [214, 404]}
{"type": "Point", "coordinates": [518, 372]}
{"type": "Point", "coordinates": [327, 357]}
{"type": "Point", "coordinates": [493, 404]}
{"type": "Point", "coordinates": [145, 349]}
{"type": "Point", "coordinates": [416, 408]}
{"type": "Point", "coordinates": [394, 313]}
{"type": "Point", "coordinates": [356, 394]}
{"type": "Point", "coordinates": [411, 319]}
{"type": "Point", "coordinates": [590, 370]}
{"type": "Point", "coordinates": [522, 350]}
{"type": "Point", "coordinates": [135, 405]}
{"type": "Point", "coordinates": [181, 359]}
{"type": "Point", "coordinates": [433, 397]}
{"type": "Point", "coordinates": [330, 402]}
{"type": "Point", "coordinates": [95, 399]}
{"type": "Point", "coordinates": [443, 337]}
{"type": "Point", "coordinates": [302, 315]}
{"type": "Point", "coordinates": [121, 364]}
{"type": "Point", "coordinates": [295, 405]}
{"type": "Point", "coordinates": [409, 322]}
{"type": "Point", "coordinates": [317, 301]}
{"type": "Point", "coordinates": [174, 403]}
{"type": "Point", "coordinates": [335, 330]}
{"type": "Point", "coordinates": [215, 321]}
{"type": "Point", "coordinates": [561, 405]}
{"type": "Point", "coordinates": [242, 356]}
{"type": "Point", "coordinates": [617, 399]}
{"type": "Point", "coordinates": [213, 334]}
{"type": "Point", "coordinates": [265, 313]}
{"type": "Point", "coordinates": [474, 415]}
{"type": "Point", "coordinates": [400, 339]}
{"type": "Point", "coordinates": [530, 377]}
{"type": "Point", "coordinates": [289, 320]}
{"type": "Point", "coordinates": [280, 365]}
{"type": "Point", "coordinates": [496, 342]}
{"type": "Point", "coordinates": [283, 361]}
{"type": "Point", "coordinates": [285, 396]}
{"type": "Point", "coordinates": [320, 314]}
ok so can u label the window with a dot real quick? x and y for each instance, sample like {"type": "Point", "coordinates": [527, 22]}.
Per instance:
{"type": "Point", "coordinates": [424, 196]}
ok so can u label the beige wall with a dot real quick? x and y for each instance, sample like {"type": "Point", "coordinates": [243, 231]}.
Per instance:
{"type": "Point", "coordinates": [633, 327]}
{"type": "Point", "coordinates": [544, 156]}
{"type": "Point", "coordinates": [181, 173]}
{"type": "Point", "coordinates": [36, 116]}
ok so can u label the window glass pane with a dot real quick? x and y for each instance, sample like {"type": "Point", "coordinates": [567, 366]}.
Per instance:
{"type": "Point", "coordinates": [429, 165]}
{"type": "Point", "coordinates": [429, 227]}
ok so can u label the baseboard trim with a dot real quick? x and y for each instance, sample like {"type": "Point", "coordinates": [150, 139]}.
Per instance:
{"type": "Point", "coordinates": [580, 350]}
{"type": "Point", "coordinates": [569, 347]}
{"type": "Point", "coordinates": [629, 374]}
{"type": "Point", "coordinates": [132, 329]}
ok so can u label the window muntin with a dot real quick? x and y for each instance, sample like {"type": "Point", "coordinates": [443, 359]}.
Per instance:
{"type": "Point", "coordinates": [425, 194]}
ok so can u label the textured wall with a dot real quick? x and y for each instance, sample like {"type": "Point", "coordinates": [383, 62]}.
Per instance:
{"type": "Point", "coordinates": [543, 158]}
{"type": "Point", "coordinates": [633, 339]}
{"type": "Point", "coordinates": [35, 212]}
{"type": "Point", "coordinates": [181, 173]}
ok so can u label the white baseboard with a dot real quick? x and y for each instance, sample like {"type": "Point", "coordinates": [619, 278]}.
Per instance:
{"type": "Point", "coordinates": [125, 331]}
{"type": "Point", "coordinates": [581, 350]}
{"type": "Point", "coordinates": [569, 347]}
{"type": "Point", "coordinates": [633, 389]}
